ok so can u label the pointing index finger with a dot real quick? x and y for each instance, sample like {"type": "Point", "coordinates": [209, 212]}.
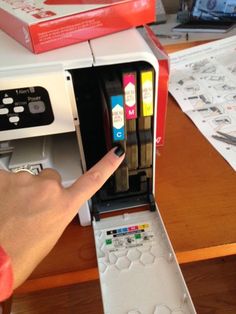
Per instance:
{"type": "Point", "coordinates": [89, 183]}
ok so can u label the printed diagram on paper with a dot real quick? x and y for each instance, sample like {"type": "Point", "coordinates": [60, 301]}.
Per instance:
{"type": "Point", "coordinates": [203, 81]}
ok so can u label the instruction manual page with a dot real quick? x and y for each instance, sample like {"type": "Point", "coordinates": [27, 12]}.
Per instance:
{"type": "Point", "coordinates": [203, 82]}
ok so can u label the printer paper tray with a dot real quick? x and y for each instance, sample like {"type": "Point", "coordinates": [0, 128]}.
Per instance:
{"type": "Point", "coordinates": [139, 273]}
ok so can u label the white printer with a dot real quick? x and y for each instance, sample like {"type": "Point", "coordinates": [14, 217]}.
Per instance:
{"type": "Point", "coordinates": [51, 116]}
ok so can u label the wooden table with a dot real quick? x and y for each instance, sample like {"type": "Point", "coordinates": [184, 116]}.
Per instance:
{"type": "Point", "coordinates": [196, 195]}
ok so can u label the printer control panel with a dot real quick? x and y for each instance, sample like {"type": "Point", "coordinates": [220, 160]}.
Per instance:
{"type": "Point", "coordinates": [25, 107]}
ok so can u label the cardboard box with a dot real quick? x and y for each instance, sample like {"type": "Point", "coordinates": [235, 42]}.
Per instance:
{"type": "Point", "coordinates": [45, 25]}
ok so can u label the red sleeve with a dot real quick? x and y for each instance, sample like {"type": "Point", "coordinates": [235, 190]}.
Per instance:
{"type": "Point", "coordinates": [6, 276]}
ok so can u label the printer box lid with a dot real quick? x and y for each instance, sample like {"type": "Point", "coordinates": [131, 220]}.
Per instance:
{"type": "Point", "coordinates": [45, 25]}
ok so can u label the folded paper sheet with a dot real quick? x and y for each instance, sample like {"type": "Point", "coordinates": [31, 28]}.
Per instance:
{"type": "Point", "coordinates": [203, 81]}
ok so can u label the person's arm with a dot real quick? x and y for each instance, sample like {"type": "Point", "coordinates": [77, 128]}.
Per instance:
{"type": "Point", "coordinates": [35, 210]}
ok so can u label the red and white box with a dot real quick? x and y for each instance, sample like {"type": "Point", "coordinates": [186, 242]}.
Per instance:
{"type": "Point", "coordinates": [45, 25]}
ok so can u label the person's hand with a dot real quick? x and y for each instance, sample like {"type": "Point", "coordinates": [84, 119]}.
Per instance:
{"type": "Point", "coordinates": [35, 210]}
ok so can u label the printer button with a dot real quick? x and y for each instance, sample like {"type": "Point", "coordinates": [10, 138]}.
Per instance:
{"type": "Point", "coordinates": [36, 107]}
{"type": "Point", "coordinates": [4, 111]}
{"type": "Point", "coordinates": [18, 109]}
{"type": "Point", "coordinates": [7, 101]}
{"type": "Point", "coordinates": [14, 119]}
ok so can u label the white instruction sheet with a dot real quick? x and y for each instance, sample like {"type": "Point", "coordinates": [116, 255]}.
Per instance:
{"type": "Point", "coordinates": [203, 82]}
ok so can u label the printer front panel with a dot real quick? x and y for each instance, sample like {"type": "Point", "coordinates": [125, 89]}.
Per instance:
{"type": "Point", "coordinates": [34, 102]}
{"type": "Point", "coordinates": [39, 125]}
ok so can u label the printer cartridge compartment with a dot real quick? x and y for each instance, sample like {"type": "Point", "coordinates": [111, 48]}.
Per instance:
{"type": "Point", "coordinates": [75, 104]}
{"type": "Point", "coordinates": [119, 111]}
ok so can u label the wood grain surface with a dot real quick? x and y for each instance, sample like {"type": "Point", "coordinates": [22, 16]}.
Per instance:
{"type": "Point", "coordinates": [212, 286]}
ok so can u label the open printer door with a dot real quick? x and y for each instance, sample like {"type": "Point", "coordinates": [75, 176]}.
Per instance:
{"type": "Point", "coordinates": [139, 273]}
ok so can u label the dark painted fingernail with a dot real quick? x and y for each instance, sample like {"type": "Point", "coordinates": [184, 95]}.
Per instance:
{"type": "Point", "coordinates": [119, 151]}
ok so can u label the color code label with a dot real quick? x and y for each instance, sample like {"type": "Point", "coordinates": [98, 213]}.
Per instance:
{"type": "Point", "coordinates": [118, 121]}
{"type": "Point", "coordinates": [147, 93]}
{"type": "Point", "coordinates": [129, 82]}
{"type": "Point", "coordinates": [128, 237]}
